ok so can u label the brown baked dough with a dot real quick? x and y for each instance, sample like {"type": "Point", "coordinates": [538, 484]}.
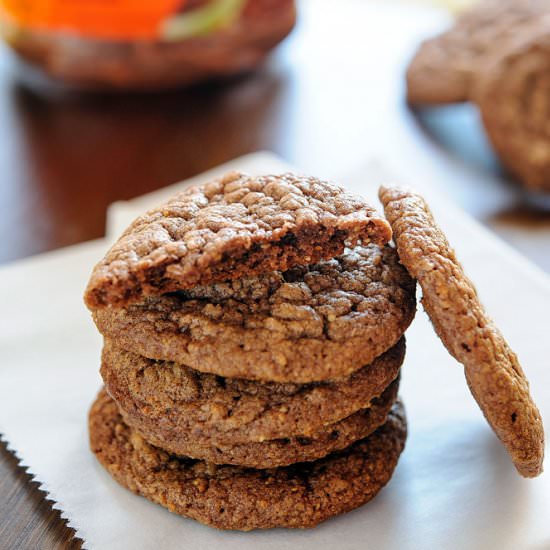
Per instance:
{"type": "Point", "coordinates": [235, 226]}
{"type": "Point", "coordinates": [492, 370]}
{"type": "Point", "coordinates": [179, 403]}
{"type": "Point", "coordinates": [446, 68]}
{"type": "Point", "coordinates": [229, 497]}
{"type": "Point", "coordinates": [311, 323]}
{"type": "Point", "coordinates": [276, 452]}
{"type": "Point", "coordinates": [514, 99]}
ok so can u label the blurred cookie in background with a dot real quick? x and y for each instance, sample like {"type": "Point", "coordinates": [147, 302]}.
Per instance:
{"type": "Point", "coordinates": [495, 55]}
{"type": "Point", "coordinates": [514, 99]}
{"type": "Point", "coordinates": [446, 68]}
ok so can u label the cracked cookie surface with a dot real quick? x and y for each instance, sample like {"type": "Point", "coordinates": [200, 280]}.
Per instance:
{"type": "Point", "coordinates": [310, 323]}
{"type": "Point", "coordinates": [492, 369]}
{"type": "Point", "coordinates": [229, 497]}
{"type": "Point", "coordinates": [232, 227]}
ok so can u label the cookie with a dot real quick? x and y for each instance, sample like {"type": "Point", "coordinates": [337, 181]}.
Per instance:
{"type": "Point", "coordinates": [276, 452]}
{"type": "Point", "coordinates": [229, 497]}
{"type": "Point", "coordinates": [311, 323]}
{"type": "Point", "coordinates": [492, 370]}
{"type": "Point", "coordinates": [514, 100]}
{"type": "Point", "coordinates": [233, 227]}
{"type": "Point", "coordinates": [180, 403]}
{"type": "Point", "coordinates": [445, 69]}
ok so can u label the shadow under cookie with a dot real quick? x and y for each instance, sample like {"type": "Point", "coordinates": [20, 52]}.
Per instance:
{"type": "Point", "coordinates": [229, 497]}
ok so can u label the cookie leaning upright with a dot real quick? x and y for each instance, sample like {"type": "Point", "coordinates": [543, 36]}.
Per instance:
{"type": "Point", "coordinates": [236, 225]}
{"type": "Point", "coordinates": [492, 370]}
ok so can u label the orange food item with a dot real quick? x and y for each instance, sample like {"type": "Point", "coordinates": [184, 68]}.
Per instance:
{"type": "Point", "coordinates": [103, 19]}
{"type": "Point", "coordinates": [143, 44]}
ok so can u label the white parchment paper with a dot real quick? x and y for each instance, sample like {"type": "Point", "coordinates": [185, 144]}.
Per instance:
{"type": "Point", "coordinates": [454, 487]}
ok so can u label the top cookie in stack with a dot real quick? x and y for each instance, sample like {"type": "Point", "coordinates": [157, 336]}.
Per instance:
{"type": "Point", "coordinates": [253, 339]}
{"type": "Point", "coordinates": [232, 227]}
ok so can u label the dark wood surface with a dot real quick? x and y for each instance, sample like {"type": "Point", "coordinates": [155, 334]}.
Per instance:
{"type": "Point", "coordinates": [27, 519]}
{"type": "Point", "coordinates": [65, 157]}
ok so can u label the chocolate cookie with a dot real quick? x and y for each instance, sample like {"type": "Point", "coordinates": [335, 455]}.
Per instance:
{"type": "Point", "coordinates": [276, 452]}
{"type": "Point", "coordinates": [446, 68]}
{"type": "Point", "coordinates": [492, 370]}
{"type": "Point", "coordinates": [514, 100]}
{"type": "Point", "coordinates": [233, 227]}
{"type": "Point", "coordinates": [181, 403]}
{"type": "Point", "coordinates": [311, 323]}
{"type": "Point", "coordinates": [229, 497]}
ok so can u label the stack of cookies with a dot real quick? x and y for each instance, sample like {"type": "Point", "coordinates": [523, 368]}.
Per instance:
{"type": "Point", "coordinates": [253, 337]}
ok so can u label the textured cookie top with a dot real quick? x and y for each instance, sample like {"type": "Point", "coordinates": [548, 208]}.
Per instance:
{"type": "Point", "coordinates": [492, 370]}
{"type": "Point", "coordinates": [311, 323]}
{"type": "Point", "coordinates": [230, 497]}
{"type": "Point", "coordinates": [446, 68]}
{"type": "Point", "coordinates": [230, 411]}
{"type": "Point", "coordinates": [232, 227]}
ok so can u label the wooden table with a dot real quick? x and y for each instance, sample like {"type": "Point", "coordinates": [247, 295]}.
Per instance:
{"type": "Point", "coordinates": [65, 157]}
